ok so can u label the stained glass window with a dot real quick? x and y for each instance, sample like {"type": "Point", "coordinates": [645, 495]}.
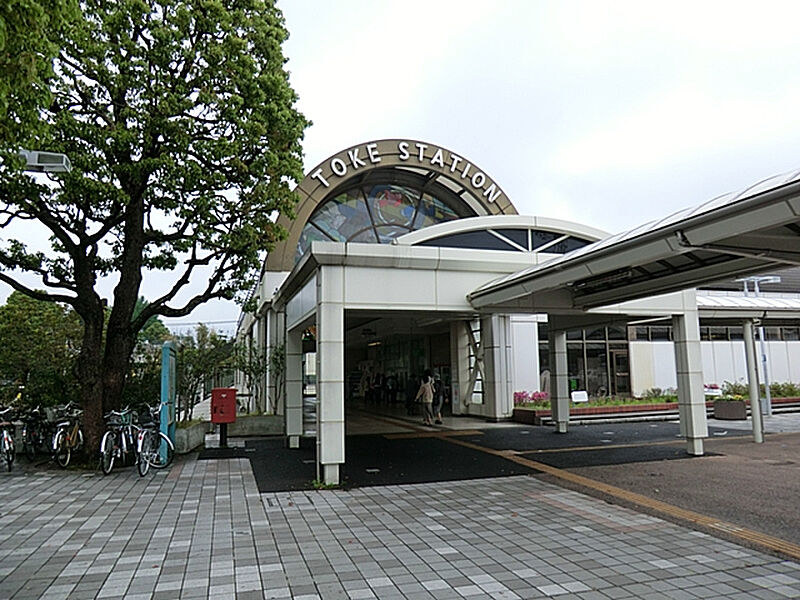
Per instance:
{"type": "Point", "coordinates": [376, 213]}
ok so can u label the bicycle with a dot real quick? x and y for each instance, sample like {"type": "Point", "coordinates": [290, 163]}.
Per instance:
{"type": "Point", "coordinates": [7, 436]}
{"type": "Point", "coordinates": [155, 449]}
{"type": "Point", "coordinates": [36, 431]}
{"type": "Point", "coordinates": [119, 441]}
{"type": "Point", "coordinates": [68, 436]}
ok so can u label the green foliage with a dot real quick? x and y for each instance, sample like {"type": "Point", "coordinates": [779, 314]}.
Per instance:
{"type": "Point", "coordinates": [40, 345]}
{"type": "Point", "coordinates": [200, 356]}
{"type": "Point", "coordinates": [30, 36]}
{"type": "Point", "coordinates": [605, 401]}
{"type": "Point", "coordinates": [732, 388]}
{"type": "Point", "coordinates": [179, 122]}
{"type": "Point", "coordinates": [785, 390]}
{"type": "Point", "coordinates": [251, 362]}
{"type": "Point", "coordinates": [321, 485]}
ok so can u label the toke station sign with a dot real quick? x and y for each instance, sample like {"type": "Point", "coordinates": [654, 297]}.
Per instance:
{"type": "Point", "coordinates": [405, 152]}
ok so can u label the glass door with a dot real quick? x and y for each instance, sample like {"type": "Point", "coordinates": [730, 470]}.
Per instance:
{"type": "Point", "coordinates": [621, 377]}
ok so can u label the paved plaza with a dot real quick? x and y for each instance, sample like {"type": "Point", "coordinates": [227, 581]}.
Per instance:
{"type": "Point", "coordinates": [202, 530]}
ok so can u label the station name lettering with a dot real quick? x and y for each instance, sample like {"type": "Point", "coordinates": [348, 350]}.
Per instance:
{"type": "Point", "coordinates": [424, 154]}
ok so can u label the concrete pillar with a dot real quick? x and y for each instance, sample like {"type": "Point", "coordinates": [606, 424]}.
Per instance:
{"type": "Point", "coordinates": [330, 371]}
{"type": "Point", "coordinates": [257, 400]}
{"type": "Point", "coordinates": [559, 388]}
{"type": "Point", "coordinates": [496, 385]}
{"type": "Point", "coordinates": [294, 386]}
{"type": "Point", "coordinates": [276, 338]}
{"type": "Point", "coordinates": [752, 381]}
{"type": "Point", "coordinates": [459, 369]}
{"type": "Point", "coordinates": [689, 371]}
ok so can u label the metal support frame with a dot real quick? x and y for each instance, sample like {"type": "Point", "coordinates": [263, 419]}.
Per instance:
{"type": "Point", "coordinates": [477, 368]}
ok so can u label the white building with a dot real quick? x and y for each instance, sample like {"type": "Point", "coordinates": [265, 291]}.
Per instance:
{"type": "Point", "coordinates": [405, 256]}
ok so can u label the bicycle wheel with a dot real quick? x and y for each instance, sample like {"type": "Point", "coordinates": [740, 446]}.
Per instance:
{"type": "Point", "coordinates": [30, 439]}
{"type": "Point", "coordinates": [107, 452]}
{"type": "Point", "coordinates": [163, 452]}
{"type": "Point", "coordinates": [146, 452]}
{"type": "Point", "coordinates": [8, 450]}
{"type": "Point", "coordinates": [61, 451]}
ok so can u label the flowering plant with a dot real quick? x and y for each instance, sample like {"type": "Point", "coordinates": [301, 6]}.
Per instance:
{"type": "Point", "coordinates": [525, 397]}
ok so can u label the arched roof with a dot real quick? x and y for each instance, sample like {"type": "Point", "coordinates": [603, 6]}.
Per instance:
{"type": "Point", "coordinates": [517, 232]}
{"type": "Point", "coordinates": [442, 186]}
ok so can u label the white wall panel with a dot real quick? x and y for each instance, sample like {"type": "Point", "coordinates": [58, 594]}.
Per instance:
{"type": "Point", "coordinates": [525, 354]}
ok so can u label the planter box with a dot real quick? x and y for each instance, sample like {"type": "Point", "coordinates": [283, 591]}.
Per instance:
{"type": "Point", "coordinates": [189, 438]}
{"type": "Point", "coordinates": [250, 425]}
{"type": "Point", "coordinates": [732, 410]}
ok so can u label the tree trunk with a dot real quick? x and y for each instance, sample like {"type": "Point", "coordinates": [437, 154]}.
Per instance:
{"type": "Point", "coordinates": [91, 382]}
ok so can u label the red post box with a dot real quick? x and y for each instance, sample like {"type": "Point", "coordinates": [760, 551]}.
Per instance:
{"type": "Point", "coordinates": [223, 405]}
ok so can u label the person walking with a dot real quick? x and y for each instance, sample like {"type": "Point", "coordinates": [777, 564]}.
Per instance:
{"type": "Point", "coordinates": [438, 398]}
{"type": "Point", "coordinates": [425, 393]}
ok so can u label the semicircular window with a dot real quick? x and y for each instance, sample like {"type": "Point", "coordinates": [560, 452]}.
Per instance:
{"type": "Point", "coordinates": [380, 212]}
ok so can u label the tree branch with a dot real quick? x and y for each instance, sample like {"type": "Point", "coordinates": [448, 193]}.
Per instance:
{"type": "Point", "coordinates": [36, 294]}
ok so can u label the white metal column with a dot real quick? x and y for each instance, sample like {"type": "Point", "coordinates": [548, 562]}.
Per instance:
{"type": "Point", "coordinates": [752, 380]}
{"type": "Point", "coordinates": [559, 388]}
{"type": "Point", "coordinates": [330, 371]}
{"type": "Point", "coordinates": [689, 371]}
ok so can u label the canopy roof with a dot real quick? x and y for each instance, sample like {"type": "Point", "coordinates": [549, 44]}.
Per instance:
{"type": "Point", "coordinates": [734, 235]}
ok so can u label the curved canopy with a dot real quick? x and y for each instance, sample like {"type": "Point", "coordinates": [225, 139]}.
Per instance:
{"type": "Point", "coordinates": [378, 191]}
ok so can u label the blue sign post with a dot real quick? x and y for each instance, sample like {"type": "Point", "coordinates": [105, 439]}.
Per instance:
{"type": "Point", "coordinates": [169, 379]}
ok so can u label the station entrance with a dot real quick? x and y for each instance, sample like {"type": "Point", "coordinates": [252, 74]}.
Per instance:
{"type": "Point", "coordinates": [385, 356]}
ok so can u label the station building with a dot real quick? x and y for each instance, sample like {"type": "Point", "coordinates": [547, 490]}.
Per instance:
{"type": "Point", "coordinates": [405, 256]}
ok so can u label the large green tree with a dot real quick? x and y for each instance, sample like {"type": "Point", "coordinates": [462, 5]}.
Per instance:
{"type": "Point", "coordinates": [179, 121]}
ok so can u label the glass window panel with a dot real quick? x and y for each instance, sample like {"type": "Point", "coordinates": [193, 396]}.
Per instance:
{"type": "Point", "coordinates": [772, 333]}
{"type": "Point", "coordinates": [343, 217]}
{"type": "Point", "coordinates": [480, 240]}
{"type": "Point", "coordinates": [716, 334]}
{"type": "Point", "coordinates": [543, 331]}
{"type": "Point", "coordinates": [660, 333]}
{"type": "Point", "coordinates": [617, 333]}
{"type": "Point", "coordinates": [540, 238]}
{"type": "Point", "coordinates": [392, 205]}
{"type": "Point", "coordinates": [544, 357]}
{"type": "Point", "coordinates": [518, 236]}
{"type": "Point", "coordinates": [597, 333]}
{"type": "Point", "coordinates": [386, 233]}
{"type": "Point", "coordinates": [735, 333]}
{"type": "Point", "coordinates": [310, 234]}
{"type": "Point", "coordinates": [791, 334]}
{"type": "Point", "coordinates": [575, 334]}
{"type": "Point", "coordinates": [704, 336]}
{"type": "Point", "coordinates": [596, 370]}
{"type": "Point", "coordinates": [575, 369]}
{"type": "Point", "coordinates": [567, 245]}
{"type": "Point", "coordinates": [641, 333]}
{"type": "Point", "coordinates": [431, 211]}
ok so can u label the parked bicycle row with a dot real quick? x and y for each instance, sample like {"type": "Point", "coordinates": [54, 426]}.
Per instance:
{"type": "Point", "coordinates": [56, 431]}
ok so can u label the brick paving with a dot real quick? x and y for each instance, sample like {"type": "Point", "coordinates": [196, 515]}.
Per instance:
{"type": "Point", "coordinates": [202, 530]}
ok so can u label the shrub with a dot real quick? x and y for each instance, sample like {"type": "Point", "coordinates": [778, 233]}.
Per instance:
{"type": "Point", "coordinates": [731, 388]}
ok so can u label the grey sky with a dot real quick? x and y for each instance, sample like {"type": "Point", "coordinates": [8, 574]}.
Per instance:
{"type": "Point", "coordinates": [605, 113]}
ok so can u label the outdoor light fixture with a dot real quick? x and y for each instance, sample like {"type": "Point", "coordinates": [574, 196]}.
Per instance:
{"type": "Point", "coordinates": [45, 162]}
{"type": "Point", "coordinates": [756, 280]}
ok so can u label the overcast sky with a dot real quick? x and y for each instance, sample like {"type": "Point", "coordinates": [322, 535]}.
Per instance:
{"type": "Point", "coordinates": [606, 113]}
